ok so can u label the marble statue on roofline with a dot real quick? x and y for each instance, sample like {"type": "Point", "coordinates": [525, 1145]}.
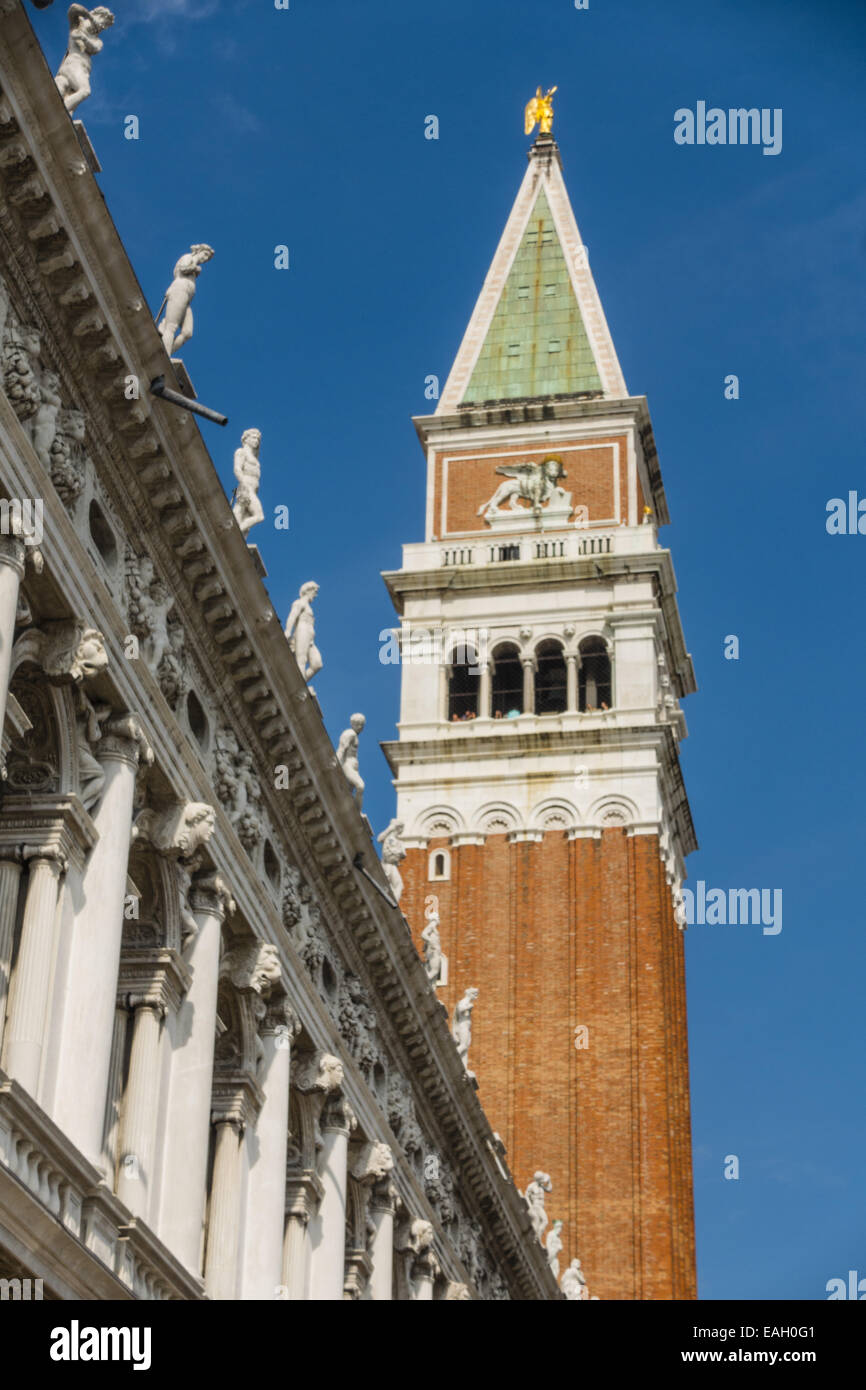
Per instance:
{"type": "Point", "coordinates": [177, 325]}
{"type": "Point", "coordinates": [461, 1025]}
{"type": "Point", "coordinates": [534, 1196]}
{"type": "Point", "coordinates": [432, 948]}
{"type": "Point", "coordinates": [247, 509]}
{"type": "Point", "coordinates": [553, 1246]}
{"type": "Point", "coordinates": [347, 756]}
{"type": "Point", "coordinates": [300, 630]}
{"type": "Point", "coordinates": [573, 1283]}
{"type": "Point", "coordinates": [393, 853]}
{"type": "Point", "coordinates": [73, 75]}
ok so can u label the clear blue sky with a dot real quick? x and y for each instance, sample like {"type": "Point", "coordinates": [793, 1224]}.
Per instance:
{"type": "Point", "coordinates": [306, 127]}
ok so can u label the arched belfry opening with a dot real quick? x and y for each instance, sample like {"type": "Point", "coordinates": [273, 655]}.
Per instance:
{"type": "Point", "coordinates": [594, 682]}
{"type": "Point", "coordinates": [506, 682]}
{"type": "Point", "coordinates": [551, 680]}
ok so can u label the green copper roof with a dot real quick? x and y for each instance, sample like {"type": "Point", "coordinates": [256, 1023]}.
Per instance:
{"type": "Point", "coordinates": [536, 344]}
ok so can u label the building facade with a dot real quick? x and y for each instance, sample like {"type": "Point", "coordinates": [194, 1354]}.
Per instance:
{"type": "Point", "coordinates": [537, 770]}
{"type": "Point", "coordinates": [224, 1073]}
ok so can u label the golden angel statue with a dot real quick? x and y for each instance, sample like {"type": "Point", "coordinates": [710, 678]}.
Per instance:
{"type": "Point", "coordinates": [540, 110]}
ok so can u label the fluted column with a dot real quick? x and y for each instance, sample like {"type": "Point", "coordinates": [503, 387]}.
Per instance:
{"type": "Point", "coordinates": [10, 880]}
{"type": "Point", "coordinates": [422, 1277]}
{"type": "Point", "coordinates": [236, 1102]}
{"type": "Point", "coordinates": [221, 1266]}
{"type": "Point", "coordinates": [328, 1227]}
{"type": "Point", "coordinates": [31, 983]}
{"type": "Point", "coordinates": [571, 682]}
{"type": "Point", "coordinates": [382, 1204]}
{"type": "Point", "coordinates": [12, 551]}
{"type": "Point", "coordinates": [267, 1181]}
{"type": "Point", "coordinates": [303, 1195]}
{"type": "Point", "coordinates": [114, 1096]}
{"type": "Point", "coordinates": [188, 1126]}
{"type": "Point", "coordinates": [135, 1167]}
{"type": "Point", "coordinates": [415, 1243]}
{"type": "Point", "coordinates": [95, 954]}
{"type": "Point", "coordinates": [528, 686]}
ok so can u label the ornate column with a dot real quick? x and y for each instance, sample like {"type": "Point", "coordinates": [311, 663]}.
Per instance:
{"type": "Point", "coordinates": [152, 982]}
{"type": "Point", "coordinates": [484, 691]}
{"type": "Point", "coordinates": [12, 551]}
{"type": "Point", "coordinates": [31, 983]}
{"type": "Point", "coordinates": [95, 953]}
{"type": "Point", "coordinates": [236, 1102]}
{"type": "Point", "coordinates": [315, 1076]}
{"type": "Point", "coordinates": [184, 1190]}
{"type": "Point", "coordinates": [444, 675]}
{"type": "Point", "coordinates": [415, 1243]}
{"type": "Point", "coordinates": [528, 685]}
{"type": "Point", "coordinates": [263, 1266]}
{"type": "Point", "coordinates": [369, 1163]}
{"type": "Point", "coordinates": [328, 1226]}
{"type": "Point", "coordinates": [383, 1201]}
{"type": "Point", "coordinates": [10, 879]}
{"type": "Point", "coordinates": [571, 661]}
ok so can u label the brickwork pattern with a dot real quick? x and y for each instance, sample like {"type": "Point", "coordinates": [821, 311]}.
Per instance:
{"type": "Point", "coordinates": [557, 934]}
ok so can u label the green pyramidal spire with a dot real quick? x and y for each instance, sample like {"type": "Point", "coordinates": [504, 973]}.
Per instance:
{"type": "Point", "coordinates": [536, 344]}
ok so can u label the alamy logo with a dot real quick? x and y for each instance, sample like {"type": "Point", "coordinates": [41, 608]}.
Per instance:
{"type": "Point", "coordinates": [737, 126]}
{"type": "Point", "coordinates": [76, 1343]}
{"type": "Point", "coordinates": [22, 517]}
{"type": "Point", "coordinates": [20, 1290]}
{"type": "Point", "coordinates": [735, 907]}
{"type": "Point", "coordinates": [837, 1288]}
{"type": "Point", "coordinates": [435, 646]}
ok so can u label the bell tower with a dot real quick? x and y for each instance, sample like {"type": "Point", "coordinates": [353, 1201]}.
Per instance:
{"type": "Point", "coordinates": [537, 768]}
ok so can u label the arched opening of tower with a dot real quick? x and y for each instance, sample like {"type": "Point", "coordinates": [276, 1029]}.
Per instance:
{"type": "Point", "coordinates": [463, 682]}
{"type": "Point", "coordinates": [551, 682]}
{"type": "Point", "coordinates": [594, 685]}
{"type": "Point", "coordinates": [507, 683]}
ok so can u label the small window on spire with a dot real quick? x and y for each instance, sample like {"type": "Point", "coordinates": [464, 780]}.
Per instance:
{"type": "Point", "coordinates": [550, 289]}
{"type": "Point", "coordinates": [522, 291]}
{"type": "Point", "coordinates": [513, 349]}
{"type": "Point", "coordinates": [554, 345]}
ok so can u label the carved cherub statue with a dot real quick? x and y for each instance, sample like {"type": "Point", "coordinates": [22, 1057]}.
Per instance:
{"type": "Point", "coordinates": [177, 325]}
{"type": "Point", "coordinates": [73, 75]}
{"type": "Point", "coordinates": [45, 419]}
{"type": "Point", "coordinates": [393, 853]}
{"type": "Point", "coordinates": [347, 756]}
{"type": "Point", "coordinates": [247, 510]}
{"type": "Point", "coordinates": [301, 631]}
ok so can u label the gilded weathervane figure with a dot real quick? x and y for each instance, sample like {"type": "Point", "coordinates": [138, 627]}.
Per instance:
{"type": "Point", "coordinates": [540, 111]}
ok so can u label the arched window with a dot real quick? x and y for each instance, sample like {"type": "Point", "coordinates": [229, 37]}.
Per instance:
{"type": "Point", "coordinates": [594, 686]}
{"type": "Point", "coordinates": [551, 683]}
{"type": "Point", "coordinates": [507, 682]}
{"type": "Point", "coordinates": [439, 864]}
{"type": "Point", "coordinates": [463, 683]}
